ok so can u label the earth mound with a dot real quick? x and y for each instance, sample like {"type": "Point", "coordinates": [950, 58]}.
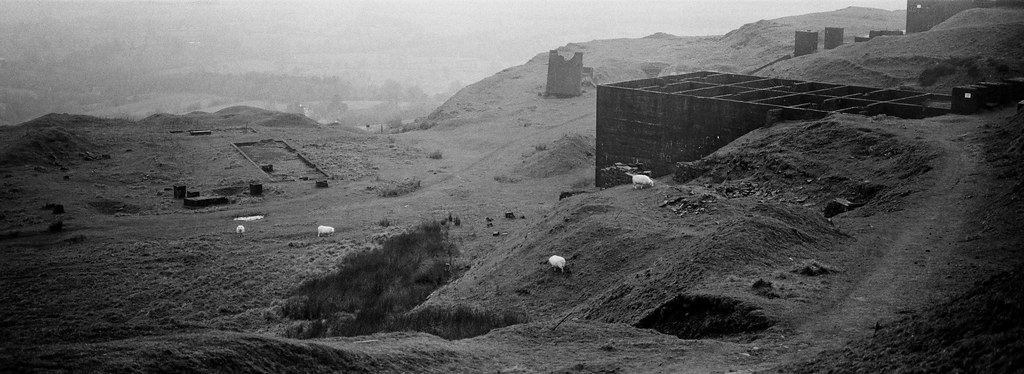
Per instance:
{"type": "Point", "coordinates": [661, 35]}
{"type": "Point", "coordinates": [754, 206]}
{"type": "Point", "coordinates": [982, 17]}
{"type": "Point", "coordinates": [841, 156]}
{"type": "Point", "coordinates": [977, 332]}
{"type": "Point", "coordinates": [629, 260]}
{"type": "Point", "coordinates": [564, 155]}
{"type": "Point", "coordinates": [231, 117]}
{"type": "Point", "coordinates": [52, 140]}
{"type": "Point", "coordinates": [228, 352]}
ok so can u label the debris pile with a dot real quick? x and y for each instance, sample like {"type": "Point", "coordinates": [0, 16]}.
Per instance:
{"type": "Point", "coordinates": [693, 203]}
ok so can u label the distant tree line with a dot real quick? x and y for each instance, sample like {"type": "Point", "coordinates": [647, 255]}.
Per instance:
{"type": "Point", "coordinates": [51, 65]}
{"type": "Point", "coordinates": [27, 92]}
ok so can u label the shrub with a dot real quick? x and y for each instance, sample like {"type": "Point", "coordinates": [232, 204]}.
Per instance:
{"type": "Point", "coordinates": [56, 226]}
{"type": "Point", "coordinates": [374, 286]}
{"type": "Point", "coordinates": [932, 74]}
{"type": "Point", "coordinates": [434, 155]}
{"type": "Point", "coordinates": [764, 288]}
{"type": "Point", "coordinates": [384, 222]}
{"type": "Point", "coordinates": [393, 188]}
{"type": "Point", "coordinates": [454, 322]}
{"type": "Point", "coordinates": [813, 268]}
{"type": "Point", "coordinates": [949, 66]}
{"type": "Point", "coordinates": [540, 147]}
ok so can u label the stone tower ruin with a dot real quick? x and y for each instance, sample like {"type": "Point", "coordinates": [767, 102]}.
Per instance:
{"type": "Point", "coordinates": [564, 76]}
{"type": "Point", "coordinates": [806, 43]}
{"type": "Point", "coordinates": [833, 37]}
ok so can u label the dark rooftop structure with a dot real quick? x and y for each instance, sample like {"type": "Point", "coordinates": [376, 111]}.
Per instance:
{"type": "Point", "coordinates": [658, 122]}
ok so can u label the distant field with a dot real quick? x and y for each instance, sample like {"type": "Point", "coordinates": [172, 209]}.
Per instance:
{"type": "Point", "coordinates": [433, 74]}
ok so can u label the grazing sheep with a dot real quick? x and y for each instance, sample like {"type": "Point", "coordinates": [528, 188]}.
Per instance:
{"type": "Point", "coordinates": [240, 230]}
{"type": "Point", "coordinates": [558, 262]}
{"type": "Point", "coordinates": [324, 230]}
{"type": "Point", "coordinates": [640, 180]}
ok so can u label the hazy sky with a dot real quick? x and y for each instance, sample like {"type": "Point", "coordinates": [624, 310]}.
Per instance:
{"type": "Point", "coordinates": [407, 40]}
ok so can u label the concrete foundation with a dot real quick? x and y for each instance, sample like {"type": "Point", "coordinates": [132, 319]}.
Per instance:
{"type": "Point", "coordinates": [833, 37]}
{"type": "Point", "coordinates": [657, 122]}
{"type": "Point", "coordinates": [564, 76]}
{"type": "Point", "coordinates": [279, 160]}
{"type": "Point", "coordinates": [205, 201]}
{"type": "Point", "coordinates": [806, 43]}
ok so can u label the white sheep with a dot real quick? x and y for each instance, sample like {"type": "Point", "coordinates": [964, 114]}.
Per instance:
{"type": "Point", "coordinates": [640, 180]}
{"type": "Point", "coordinates": [324, 230]}
{"type": "Point", "coordinates": [240, 230]}
{"type": "Point", "coordinates": [558, 262]}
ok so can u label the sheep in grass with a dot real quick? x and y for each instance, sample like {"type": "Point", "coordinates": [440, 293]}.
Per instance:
{"type": "Point", "coordinates": [640, 180]}
{"type": "Point", "coordinates": [557, 261]}
{"type": "Point", "coordinates": [324, 230]}
{"type": "Point", "coordinates": [240, 230]}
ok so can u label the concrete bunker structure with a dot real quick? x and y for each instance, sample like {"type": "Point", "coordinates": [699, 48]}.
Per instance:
{"type": "Point", "coordinates": [565, 77]}
{"type": "Point", "coordinates": [969, 99]}
{"type": "Point", "coordinates": [658, 122]}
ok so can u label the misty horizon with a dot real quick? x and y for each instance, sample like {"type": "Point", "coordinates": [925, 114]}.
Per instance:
{"type": "Point", "coordinates": [422, 50]}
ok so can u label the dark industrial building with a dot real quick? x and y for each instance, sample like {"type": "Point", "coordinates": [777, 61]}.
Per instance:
{"type": "Point", "coordinates": [658, 122]}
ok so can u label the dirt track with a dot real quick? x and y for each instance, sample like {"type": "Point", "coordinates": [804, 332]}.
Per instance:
{"type": "Point", "coordinates": [917, 256]}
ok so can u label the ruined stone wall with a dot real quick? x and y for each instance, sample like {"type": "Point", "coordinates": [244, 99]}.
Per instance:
{"type": "Point", "coordinates": [564, 76]}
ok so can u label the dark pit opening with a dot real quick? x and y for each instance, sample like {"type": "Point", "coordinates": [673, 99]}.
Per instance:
{"type": "Point", "coordinates": [698, 316]}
